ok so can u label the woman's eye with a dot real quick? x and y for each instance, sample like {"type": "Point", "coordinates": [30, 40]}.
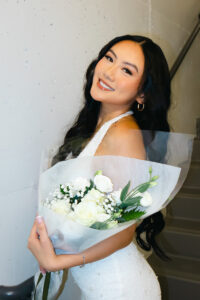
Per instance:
{"type": "Point", "coordinates": [108, 58]}
{"type": "Point", "coordinates": [127, 71]}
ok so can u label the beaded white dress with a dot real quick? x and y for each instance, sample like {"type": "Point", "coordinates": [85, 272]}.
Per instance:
{"type": "Point", "coordinates": [123, 275]}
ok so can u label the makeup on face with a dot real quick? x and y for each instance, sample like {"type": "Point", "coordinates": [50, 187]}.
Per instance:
{"type": "Point", "coordinates": [118, 74]}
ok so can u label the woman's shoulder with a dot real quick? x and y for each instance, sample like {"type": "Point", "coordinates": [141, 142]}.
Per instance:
{"type": "Point", "coordinates": [124, 137]}
{"type": "Point", "coordinates": [124, 125]}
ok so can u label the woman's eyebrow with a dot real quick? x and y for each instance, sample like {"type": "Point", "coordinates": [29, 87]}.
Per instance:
{"type": "Point", "coordinates": [125, 62]}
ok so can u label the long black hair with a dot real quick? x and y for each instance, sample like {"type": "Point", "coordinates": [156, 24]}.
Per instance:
{"type": "Point", "coordinates": [155, 86]}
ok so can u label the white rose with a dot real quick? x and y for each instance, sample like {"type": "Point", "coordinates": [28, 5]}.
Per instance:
{"type": "Point", "coordinates": [101, 217]}
{"type": "Point", "coordinates": [61, 207]}
{"type": "Point", "coordinates": [103, 183]}
{"type": "Point", "coordinates": [146, 199]}
{"type": "Point", "coordinates": [88, 213]}
{"type": "Point", "coordinates": [116, 196]}
{"type": "Point", "coordinates": [80, 183]}
{"type": "Point", "coordinates": [93, 195]}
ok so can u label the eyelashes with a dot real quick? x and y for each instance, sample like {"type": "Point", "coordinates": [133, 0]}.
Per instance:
{"type": "Point", "coordinates": [128, 71]}
{"type": "Point", "coordinates": [109, 58]}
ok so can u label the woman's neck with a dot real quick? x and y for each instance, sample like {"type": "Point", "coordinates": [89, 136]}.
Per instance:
{"type": "Point", "coordinates": [107, 114]}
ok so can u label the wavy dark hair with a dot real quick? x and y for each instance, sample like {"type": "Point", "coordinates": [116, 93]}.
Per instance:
{"type": "Point", "coordinates": [155, 85]}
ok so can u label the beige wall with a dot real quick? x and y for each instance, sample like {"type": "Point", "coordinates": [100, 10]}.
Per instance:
{"type": "Point", "coordinates": [45, 49]}
{"type": "Point", "coordinates": [172, 23]}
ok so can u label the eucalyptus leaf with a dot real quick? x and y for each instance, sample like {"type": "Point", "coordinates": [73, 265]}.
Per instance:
{"type": "Point", "coordinates": [130, 201]}
{"type": "Point", "coordinates": [144, 187]}
{"type": "Point", "coordinates": [124, 191]}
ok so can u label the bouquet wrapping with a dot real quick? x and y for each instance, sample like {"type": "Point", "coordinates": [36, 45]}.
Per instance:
{"type": "Point", "coordinates": [168, 160]}
{"type": "Point", "coordinates": [71, 236]}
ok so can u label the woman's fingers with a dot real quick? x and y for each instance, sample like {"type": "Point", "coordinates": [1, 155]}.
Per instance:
{"type": "Point", "coordinates": [33, 233]}
{"type": "Point", "coordinates": [41, 228]}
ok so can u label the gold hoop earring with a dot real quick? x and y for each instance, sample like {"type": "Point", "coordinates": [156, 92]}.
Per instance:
{"type": "Point", "coordinates": [140, 108]}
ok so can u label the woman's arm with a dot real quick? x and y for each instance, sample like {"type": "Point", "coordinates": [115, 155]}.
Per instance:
{"type": "Point", "coordinates": [41, 247]}
{"type": "Point", "coordinates": [98, 251]}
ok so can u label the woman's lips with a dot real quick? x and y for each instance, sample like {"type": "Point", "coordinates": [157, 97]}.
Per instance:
{"type": "Point", "coordinates": [104, 86]}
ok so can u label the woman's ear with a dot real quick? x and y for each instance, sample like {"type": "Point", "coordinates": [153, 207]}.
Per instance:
{"type": "Point", "coordinates": [140, 98]}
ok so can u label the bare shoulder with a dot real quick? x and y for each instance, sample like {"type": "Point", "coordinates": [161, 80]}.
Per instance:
{"type": "Point", "coordinates": [125, 138]}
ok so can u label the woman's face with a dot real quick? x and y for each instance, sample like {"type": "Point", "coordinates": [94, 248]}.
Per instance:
{"type": "Point", "coordinates": [118, 74]}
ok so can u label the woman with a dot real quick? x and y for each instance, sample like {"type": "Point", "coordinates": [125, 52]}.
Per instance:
{"type": "Point", "coordinates": [127, 87]}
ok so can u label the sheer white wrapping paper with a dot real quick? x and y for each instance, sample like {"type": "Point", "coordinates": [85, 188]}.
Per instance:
{"type": "Point", "coordinates": [74, 237]}
{"type": "Point", "coordinates": [168, 154]}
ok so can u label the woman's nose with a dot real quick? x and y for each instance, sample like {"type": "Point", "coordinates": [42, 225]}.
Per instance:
{"type": "Point", "coordinates": [109, 73]}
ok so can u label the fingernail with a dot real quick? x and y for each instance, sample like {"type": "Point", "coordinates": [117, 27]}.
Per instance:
{"type": "Point", "coordinates": [39, 219]}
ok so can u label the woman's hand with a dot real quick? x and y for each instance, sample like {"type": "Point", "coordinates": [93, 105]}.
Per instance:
{"type": "Point", "coordinates": [41, 247]}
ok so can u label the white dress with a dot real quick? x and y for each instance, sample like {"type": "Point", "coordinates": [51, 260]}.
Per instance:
{"type": "Point", "coordinates": [123, 275]}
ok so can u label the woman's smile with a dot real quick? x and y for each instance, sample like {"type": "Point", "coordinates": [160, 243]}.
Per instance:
{"type": "Point", "coordinates": [104, 86]}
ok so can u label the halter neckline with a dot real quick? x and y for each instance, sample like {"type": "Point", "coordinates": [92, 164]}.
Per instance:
{"type": "Point", "coordinates": [94, 142]}
{"type": "Point", "coordinates": [119, 116]}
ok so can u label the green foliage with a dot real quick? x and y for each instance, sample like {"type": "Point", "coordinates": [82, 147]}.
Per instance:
{"type": "Point", "coordinates": [131, 215]}
{"type": "Point", "coordinates": [99, 225]}
{"type": "Point", "coordinates": [130, 201]}
{"type": "Point", "coordinates": [124, 191]}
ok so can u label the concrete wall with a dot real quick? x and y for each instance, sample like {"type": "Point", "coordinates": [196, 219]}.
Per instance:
{"type": "Point", "coordinates": [171, 24]}
{"type": "Point", "coordinates": [45, 49]}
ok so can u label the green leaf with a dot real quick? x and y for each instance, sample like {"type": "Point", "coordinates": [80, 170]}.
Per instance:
{"type": "Point", "coordinates": [120, 220]}
{"type": "Point", "coordinates": [143, 187]}
{"type": "Point", "coordinates": [124, 191]}
{"type": "Point", "coordinates": [130, 201]}
{"type": "Point", "coordinates": [46, 286]}
{"type": "Point", "coordinates": [99, 225]}
{"type": "Point", "coordinates": [132, 215]}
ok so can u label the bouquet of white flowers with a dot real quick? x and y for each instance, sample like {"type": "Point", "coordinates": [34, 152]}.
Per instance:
{"type": "Point", "coordinates": [94, 203]}
{"type": "Point", "coordinates": [82, 206]}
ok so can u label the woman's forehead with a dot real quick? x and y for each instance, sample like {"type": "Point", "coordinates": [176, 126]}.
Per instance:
{"type": "Point", "coordinates": [129, 51]}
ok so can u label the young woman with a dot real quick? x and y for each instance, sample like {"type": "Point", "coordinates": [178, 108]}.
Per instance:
{"type": "Point", "coordinates": [127, 87]}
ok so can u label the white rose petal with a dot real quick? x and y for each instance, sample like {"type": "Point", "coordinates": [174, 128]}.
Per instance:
{"type": "Point", "coordinates": [60, 207]}
{"type": "Point", "coordinates": [103, 183]}
{"type": "Point", "coordinates": [102, 217]}
{"type": "Point", "coordinates": [116, 196]}
{"type": "Point", "coordinates": [88, 213]}
{"type": "Point", "coordinates": [94, 196]}
{"type": "Point", "coordinates": [146, 199]}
